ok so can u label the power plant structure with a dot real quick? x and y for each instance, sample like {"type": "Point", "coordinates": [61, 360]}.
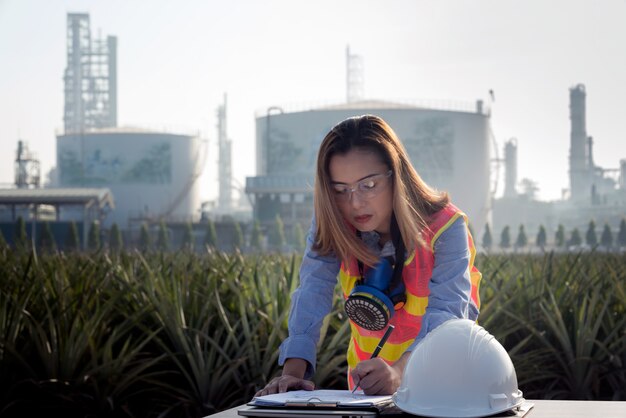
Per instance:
{"type": "Point", "coordinates": [448, 145]}
{"type": "Point", "coordinates": [27, 168]}
{"type": "Point", "coordinates": [225, 175]}
{"type": "Point", "coordinates": [510, 168]}
{"type": "Point", "coordinates": [595, 193]}
{"type": "Point", "coordinates": [355, 79]}
{"type": "Point", "coordinates": [90, 78]}
{"type": "Point", "coordinates": [580, 152]}
{"type": "Point", "coordinates": [588, 182]}
{"type": "Point", "coordinates": [105, 173]}
{"type": "Point", "coordinates": [152, 175]}
{"type": "Point", "coordinates": [33, 204]}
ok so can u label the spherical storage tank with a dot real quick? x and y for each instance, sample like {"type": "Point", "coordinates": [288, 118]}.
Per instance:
{"type": "Point", "coordinates": [449, 148]}
{"type": "Point", "coordinates": [151, 174]}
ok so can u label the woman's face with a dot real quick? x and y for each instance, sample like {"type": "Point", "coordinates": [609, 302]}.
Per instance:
{"type": "Point", "coordinates": [362, 187]}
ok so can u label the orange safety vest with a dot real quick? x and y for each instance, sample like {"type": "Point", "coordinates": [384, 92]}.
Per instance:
{"type": "Point", "coordinates": [416, 275]}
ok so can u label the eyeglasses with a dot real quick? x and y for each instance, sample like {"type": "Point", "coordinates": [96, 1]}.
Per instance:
{"type": "Point", "coordinates": [367, 188]}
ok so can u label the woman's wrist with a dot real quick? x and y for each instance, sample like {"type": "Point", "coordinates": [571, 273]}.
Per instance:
{"type": "Point", "coordinates": [295, 367]}
{"type": "Point", "coordinates": [401, 362]}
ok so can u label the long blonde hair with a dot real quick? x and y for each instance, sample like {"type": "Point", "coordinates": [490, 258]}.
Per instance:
{"type": "Point", "coordinates": [413, 200]}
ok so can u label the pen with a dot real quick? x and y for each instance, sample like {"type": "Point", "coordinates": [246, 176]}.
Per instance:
{"type": "Point", "coordinates": [379, 347]}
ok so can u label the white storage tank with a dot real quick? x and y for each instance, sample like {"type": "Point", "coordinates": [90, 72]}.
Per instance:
{"type": "Point", "coordinates": [449, 148]}
{"type": "Point", "coordinates": [151, 174]}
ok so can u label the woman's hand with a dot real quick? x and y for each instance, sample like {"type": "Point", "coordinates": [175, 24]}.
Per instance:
{"type": "Point", "coordinates": [285, 383]}
{"type": "Point", "coordinates": [291, 379]}
{"type": "Point", "coordinates": [376, 377]}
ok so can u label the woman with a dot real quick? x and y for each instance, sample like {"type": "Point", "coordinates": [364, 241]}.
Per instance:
{"type": "Point", "coordinates": [375, 218]}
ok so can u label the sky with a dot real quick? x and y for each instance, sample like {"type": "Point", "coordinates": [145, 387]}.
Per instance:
{"type": "Point", "coordinates": [177, 59]}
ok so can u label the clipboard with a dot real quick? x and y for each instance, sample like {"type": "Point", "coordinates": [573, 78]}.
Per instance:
{"type": "Point", "coordinates": [319, 412]}
{"type": "Point", "coordinates": [333, 404]}
{"type": "Point", "coordinates": [322, 399]}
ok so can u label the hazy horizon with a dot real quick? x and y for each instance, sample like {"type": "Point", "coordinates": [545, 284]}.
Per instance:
{"type": "Point", "coordinates": [176, 60]}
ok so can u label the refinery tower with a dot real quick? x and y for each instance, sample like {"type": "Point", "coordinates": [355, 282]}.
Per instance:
{"type": "Point", "coordinates": [90, 78]}
{"type": "Point", "coordinates": [151, 174]}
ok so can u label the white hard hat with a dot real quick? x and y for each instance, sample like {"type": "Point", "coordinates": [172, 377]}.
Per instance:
{"type": "Point", "coordinates": [458, 370]}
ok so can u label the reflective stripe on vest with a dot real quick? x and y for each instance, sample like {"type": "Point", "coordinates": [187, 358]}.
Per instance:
{"type": "Point", "coordinates": [416, 275]}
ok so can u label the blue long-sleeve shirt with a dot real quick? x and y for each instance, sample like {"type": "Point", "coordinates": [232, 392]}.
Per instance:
{"type": "Point", "coordinates": [449, 286]}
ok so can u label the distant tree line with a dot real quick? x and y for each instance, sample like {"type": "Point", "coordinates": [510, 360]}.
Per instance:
{"type": "Point", "coordinates": [563, 240]}
{"type": "Point", "coordinates": [158, 237]}
{"type": "Point", "coordinates": [274, 239]}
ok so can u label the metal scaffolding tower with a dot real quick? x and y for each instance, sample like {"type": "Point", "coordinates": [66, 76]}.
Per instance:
{"type": "Point", "coordinates": [225, 177]}
{"type": "Point", "coordinates": [354, 76]}
{"type": "Point", "coordinates": [27, 171]}
{"type": "Point", "coordinates": [90, 78]}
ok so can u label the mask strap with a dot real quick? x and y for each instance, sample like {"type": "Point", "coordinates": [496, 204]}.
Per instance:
{"type": "Point", "coordinates": [398, 243]}
{"type": "Point", "coordinates": [359, 263]}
